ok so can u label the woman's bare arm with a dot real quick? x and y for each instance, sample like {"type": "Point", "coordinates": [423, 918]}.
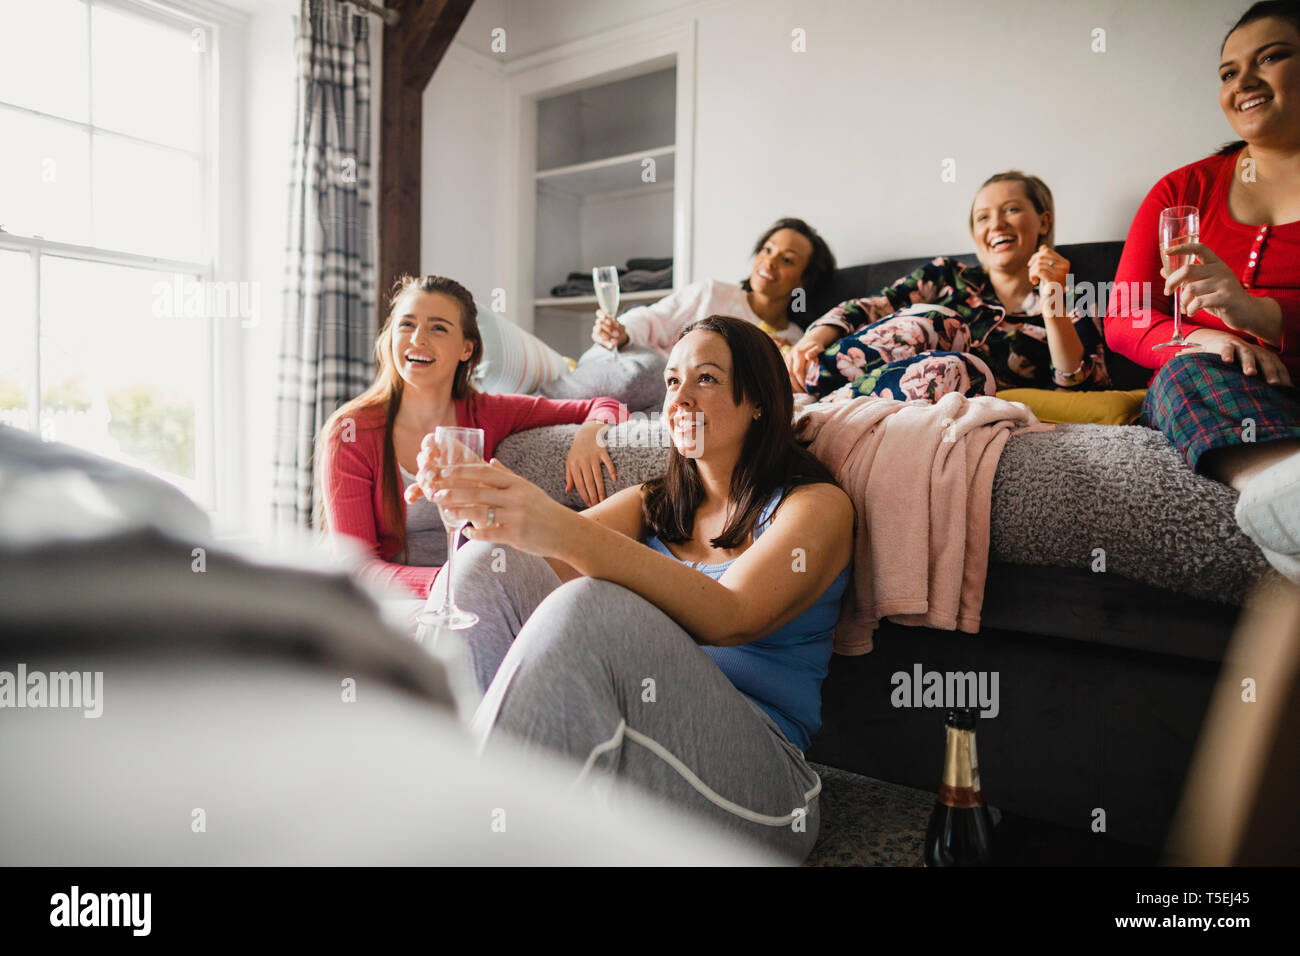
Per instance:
{"type": "Point", "coordinates": [808, 543]}
{"type": "Point", "coordinates": [779, 577]}
{"type": "Point", "coordinates": [619, 512]}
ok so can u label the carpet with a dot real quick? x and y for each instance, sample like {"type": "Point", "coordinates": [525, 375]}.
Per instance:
{"type": "Point", "coordinates": [868, 822]}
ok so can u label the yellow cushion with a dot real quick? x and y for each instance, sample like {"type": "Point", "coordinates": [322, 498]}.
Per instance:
{"type": "Point", "coordinates": [1089, 408]}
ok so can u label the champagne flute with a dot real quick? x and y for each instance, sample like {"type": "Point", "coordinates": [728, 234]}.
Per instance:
{"type": "Point", "coordinates": [1179, 225]}
{"type": "Point", "coordinates": [455, 446]}
{"type": "Point", "coordinates": [605, 279]}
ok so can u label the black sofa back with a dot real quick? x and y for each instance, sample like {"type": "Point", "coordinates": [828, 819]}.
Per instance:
{"type": "Point", "coordinates": [1092, 262]}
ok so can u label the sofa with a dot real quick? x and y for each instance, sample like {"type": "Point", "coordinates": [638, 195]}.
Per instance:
{"type": "Point", "coordinates": [1115, 580]}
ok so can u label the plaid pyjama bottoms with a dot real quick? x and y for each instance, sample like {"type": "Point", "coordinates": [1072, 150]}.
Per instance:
{"type": "Point", "coordinates": [1202, 402]}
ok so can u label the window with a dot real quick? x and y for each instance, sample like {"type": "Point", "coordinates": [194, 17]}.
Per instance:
{"type": "Point", "coordinates": [107, 235]}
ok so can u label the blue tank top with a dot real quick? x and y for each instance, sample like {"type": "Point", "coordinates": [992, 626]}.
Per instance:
{"type": "Point", "coordinates": [781, 672]}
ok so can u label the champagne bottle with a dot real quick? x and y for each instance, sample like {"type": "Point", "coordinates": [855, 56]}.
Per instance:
{"type": "Point", "coordinates": [960, 831]}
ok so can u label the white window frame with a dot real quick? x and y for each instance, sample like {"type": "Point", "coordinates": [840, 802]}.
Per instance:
{"type": "Point", "coordinates": [220, 457]}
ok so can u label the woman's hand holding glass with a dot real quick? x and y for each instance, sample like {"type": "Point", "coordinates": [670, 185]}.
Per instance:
{"type": "Point", "coordinates": [1210, 285]}
{"type": "Point", "coordinates": [430, 462]}
{"type": "Point", "coordinates": [445, 446]}
{"type": "Point", "coordinates": [504, 508]}
{"type": "Point", "coordinates": [609, 331]}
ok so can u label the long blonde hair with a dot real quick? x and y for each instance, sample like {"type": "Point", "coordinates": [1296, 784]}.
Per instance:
{"type": "Point", "coordinates": [386, 392]}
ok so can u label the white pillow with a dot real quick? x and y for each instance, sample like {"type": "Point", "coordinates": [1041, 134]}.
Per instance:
{"type": "Point", "coordinates": [514, 361]}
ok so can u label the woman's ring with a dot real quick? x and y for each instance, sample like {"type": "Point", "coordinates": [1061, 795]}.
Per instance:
{"type": "Point", "coordinates": [492, 517]}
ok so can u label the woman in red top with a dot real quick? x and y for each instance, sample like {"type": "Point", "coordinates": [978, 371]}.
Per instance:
{"type": "Point", "coordinates": [427, 352]}
{"type": "Point", "coordinates": [1229, 403]}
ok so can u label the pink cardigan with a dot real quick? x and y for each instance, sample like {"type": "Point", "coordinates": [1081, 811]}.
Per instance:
{"type": "Point", "coordinates": [351, 472]}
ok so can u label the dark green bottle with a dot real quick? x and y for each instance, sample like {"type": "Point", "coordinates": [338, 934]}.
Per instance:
{"type": "Point", "coordinates": [960, 831]}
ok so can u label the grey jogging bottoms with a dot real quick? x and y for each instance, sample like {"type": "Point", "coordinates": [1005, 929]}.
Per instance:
{"type": "Point", "coordinates": [599, 674]}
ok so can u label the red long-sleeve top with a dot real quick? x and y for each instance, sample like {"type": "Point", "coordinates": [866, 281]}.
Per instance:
{"type": "Point", "coordinates": [1265, 258]}
{"type": "Point", "coordinates": [352, 470]}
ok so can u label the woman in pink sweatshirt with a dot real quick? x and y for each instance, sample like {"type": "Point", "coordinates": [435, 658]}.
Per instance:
{"type": "Point", "coordinates": [366, 453]}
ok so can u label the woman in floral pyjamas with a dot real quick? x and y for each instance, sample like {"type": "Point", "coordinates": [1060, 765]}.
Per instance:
{"type": "Point", "coordinates": [944, 328]}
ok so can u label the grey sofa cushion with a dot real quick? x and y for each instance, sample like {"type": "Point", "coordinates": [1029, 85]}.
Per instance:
{"type": "Point", "coordinates": [1057, 497]}
{"type": "Point", "coordinates": [633, 375]}
{"type": "Point", "coordinates": [638, 448]}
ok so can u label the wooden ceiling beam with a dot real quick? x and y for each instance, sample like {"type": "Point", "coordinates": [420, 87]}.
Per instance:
{"type": "Point", "coordinates": [429, 31]}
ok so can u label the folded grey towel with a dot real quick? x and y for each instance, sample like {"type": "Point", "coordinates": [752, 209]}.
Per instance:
{"type": "Point", "coordinates": [649, 265]}
{"type": "Point", "coordinates": [629, 280]}
{"type": "Point", "coordinates": [638, 280]}
{"type": "Point", "coordinates": [573, 287]}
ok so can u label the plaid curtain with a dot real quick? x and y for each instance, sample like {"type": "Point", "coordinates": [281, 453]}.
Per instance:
{"type": "Point", "coordinates": [329, 309]}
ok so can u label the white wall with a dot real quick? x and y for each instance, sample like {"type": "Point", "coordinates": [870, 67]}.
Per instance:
{"type": "Point", "coordinates": [556, 252]}
{"type": "Point", "coordinates": [535, 25]}
{"type": "Point", "coordinates": [852, 133]}
{"type": "Point", "coordinates": [464, 173]}
{"type": "Point", "coordinates": [604, 232]}
{"type": "Point", "coordinates": [475, 32]}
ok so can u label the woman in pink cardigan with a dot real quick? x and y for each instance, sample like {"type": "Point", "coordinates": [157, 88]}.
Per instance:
{"type": "Point", "coordinates": [427, 352]}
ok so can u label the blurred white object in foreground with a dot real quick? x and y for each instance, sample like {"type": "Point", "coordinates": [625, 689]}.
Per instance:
{"type": "Point", "coordinates": [253, 712]}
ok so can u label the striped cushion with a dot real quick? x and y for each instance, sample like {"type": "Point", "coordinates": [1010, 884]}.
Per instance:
{"type": "Point", "coordinates": [514, 361]}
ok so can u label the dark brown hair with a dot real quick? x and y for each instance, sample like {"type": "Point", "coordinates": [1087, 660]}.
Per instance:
{"type": "Point", "coordinates": [386, 392]}
{"type": "Point", "coordinates": [819, 268]}
{"type": "Point", "coordinates": [770, 457]}
{"type": "Point", "coordinates": [1282, 9]}
{"type": "Point", "coordinates": [1288, 10]}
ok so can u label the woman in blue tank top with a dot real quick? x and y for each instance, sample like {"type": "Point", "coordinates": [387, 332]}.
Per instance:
{"type": "Point", "coordinates": [675, 636]}
{"type": "Point", "coordinates": [782, 671]}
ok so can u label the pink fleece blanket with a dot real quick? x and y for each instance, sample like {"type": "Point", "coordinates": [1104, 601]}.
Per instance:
{"type": "Point", "coordinates": [921, 478]}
